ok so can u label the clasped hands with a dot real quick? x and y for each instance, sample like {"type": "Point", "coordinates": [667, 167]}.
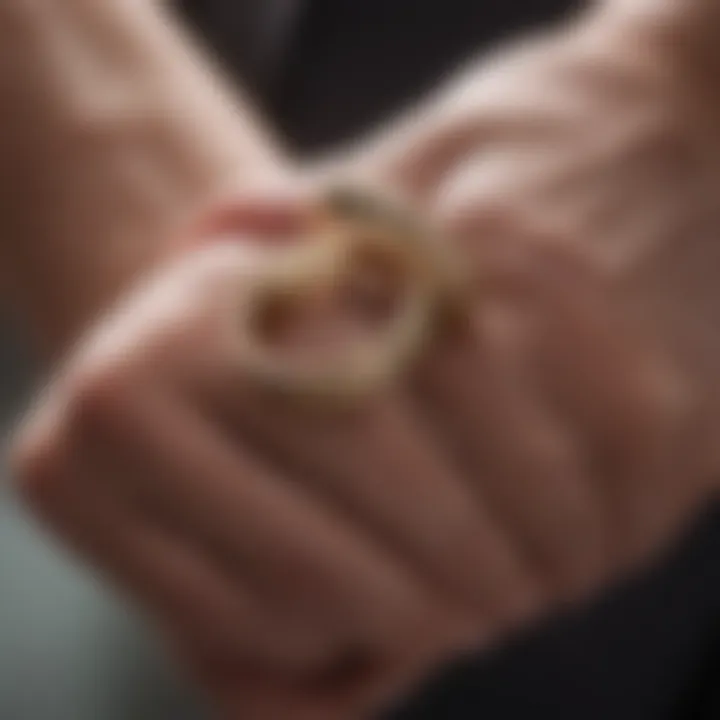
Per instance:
{"type": "Point", "coordinates": [314, 562]}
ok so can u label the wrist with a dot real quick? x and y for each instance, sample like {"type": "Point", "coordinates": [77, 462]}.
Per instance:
{"type": "Point", "coordinates": [115, 130]}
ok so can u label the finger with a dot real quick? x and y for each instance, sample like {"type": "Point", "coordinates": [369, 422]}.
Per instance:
{"type": "Point", "coordinates": [631, 402]}
{"type": "Point", "coordinates": [300, 558]}
{"type": "Point", "coordinates": [597, 368]}
{"type": "Point", "coordinates": [349, 692]}
{"type": "Point", "coordinates": [382, 467]}
{"type": "Point", "coordinates": [243, 692]}
{"type": "Point", "coordinates": [526, 466]}
{"type": "Point", "coordinates": [644, 420]}
{"type": "Point", "coordinates": [271, 216]}
{"type": "Point", "coordinates": [165, 576]}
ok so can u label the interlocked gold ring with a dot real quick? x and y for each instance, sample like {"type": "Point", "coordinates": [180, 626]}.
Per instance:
{"type": "Point", "coordinates": [350, 221]}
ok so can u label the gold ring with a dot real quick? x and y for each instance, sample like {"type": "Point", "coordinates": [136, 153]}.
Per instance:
{"type": "Point", "coordinates": [350, 223]}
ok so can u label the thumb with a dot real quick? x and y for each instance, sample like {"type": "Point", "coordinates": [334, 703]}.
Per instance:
{"type": "Point", "coordinates": [266, 216]}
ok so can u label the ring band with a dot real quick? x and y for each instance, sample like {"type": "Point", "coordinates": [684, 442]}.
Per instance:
{"type": "Point", "coordinates": [348, 222]}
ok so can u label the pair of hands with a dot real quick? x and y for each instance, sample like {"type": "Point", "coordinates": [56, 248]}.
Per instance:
{"type": "Point", "coordinates": [310, 565]}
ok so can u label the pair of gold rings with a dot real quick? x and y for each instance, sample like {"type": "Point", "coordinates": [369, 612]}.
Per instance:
{"type": "Point", "coordinates": [354, 236]}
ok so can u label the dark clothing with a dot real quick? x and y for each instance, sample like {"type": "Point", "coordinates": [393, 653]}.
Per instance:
{"type": "Point", "coordinates": [645, 653]}
{"type": "Point", "coordinates": [348, 63]}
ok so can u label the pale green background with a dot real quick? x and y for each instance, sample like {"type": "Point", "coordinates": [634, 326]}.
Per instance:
{"type": "Point", "coordinates": [67, 651]}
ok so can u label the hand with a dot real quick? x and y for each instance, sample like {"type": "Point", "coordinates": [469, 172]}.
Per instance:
{"type": "Point", "coordinates": [467, 501]}
{"type": "Point", "coordinates": [274, 545]}
{"type": "Point", "coordinates": [107, 153]}
{"type": "Point", "coordinates": [600, 137]}
{"type": "Point", "coordinates": [135, 456]}
{"type": "Point", "coordinates": [261, 577]}
{"type": "Point", "coordinates": [602, 134]}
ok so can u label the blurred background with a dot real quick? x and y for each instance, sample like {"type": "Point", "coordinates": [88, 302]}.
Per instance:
{"type": "Point", "coordinates": [324, 71]}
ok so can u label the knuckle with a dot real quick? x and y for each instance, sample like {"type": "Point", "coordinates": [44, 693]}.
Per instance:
{"type": "Point", "coordinates": [95, 395]}
{"type": "Point", "coordinates": [524, 606]}
{"type": "Point", "coordinates": [666, 406]}
{"type": "Point", "coordinates": [582, 574]}
{"type": "Point", "coordinates": [474, 217]}
{"type": "Point", "coordinates": [461, 630]}
{"type": "Point", "coordinates": [672, 400]}
{"type": "Point", "coordinates": [78, 407]}
{"type": "Point", "coordinates": [509, 251]}
{"type": "Point", "coordinates": [552, 454]}
{"type": "Point", "coordinates": [407, 621]}
{"type": "Point", "coordinates": [466, 548]}
{"type": "Point", "coordinates": [37, 461]}
{"type": "Point", "coordinates": [522, 598]}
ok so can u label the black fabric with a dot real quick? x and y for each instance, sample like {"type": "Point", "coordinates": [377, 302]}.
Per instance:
{"type": "Point", "coordinates": [351, 62]}
{"type": "Point", "coordinates": [650, 650]}
{"type": "Point", "coordinates": [700, 699]}
{"type": "Point", "coordinates": [239, 31]}
{"type": "Point", "coordinates": [355, 61]}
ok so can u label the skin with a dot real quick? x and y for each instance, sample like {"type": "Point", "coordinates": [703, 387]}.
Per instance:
{"type": "Point", "coordinates": [629, 184]}
{"type": "Point", "coordinates": [615, 156]}
{"type": "Point", "coordinates": [120, 129]}
{"type": "Point", "coordinates": [287, 541]}
{"type": "Point", "coordinates": [531, 458]}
